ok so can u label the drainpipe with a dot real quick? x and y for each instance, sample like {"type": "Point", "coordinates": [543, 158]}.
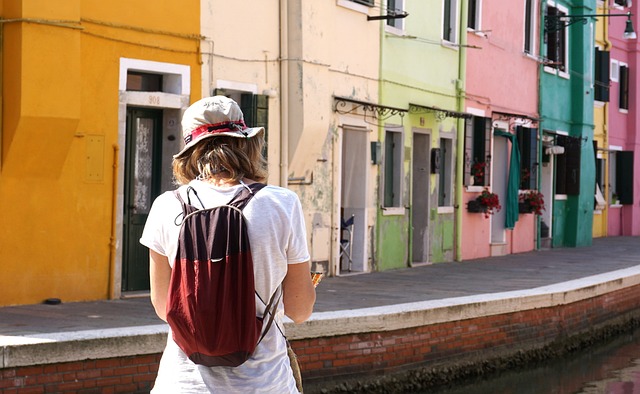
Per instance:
{"type": "Point", "coordinates": [460, 93]}
{"type": "Point", "coordinates": [605, 131]}
{"type": "Point", "coordinates": [1, 75]}
{"type": "Point", "coordinates": [114, 214]}
{"type": "Point", "coordinates": [284, 92]}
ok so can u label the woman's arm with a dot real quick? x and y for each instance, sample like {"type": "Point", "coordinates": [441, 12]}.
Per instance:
{"type": "Point", "coordinates": [298, 292]}
{"type": "Point", "coordinates": [160, 274]}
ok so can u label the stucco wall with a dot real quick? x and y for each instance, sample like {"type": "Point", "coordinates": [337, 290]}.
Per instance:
{"type": "Point", "coordinates": [60, 132]}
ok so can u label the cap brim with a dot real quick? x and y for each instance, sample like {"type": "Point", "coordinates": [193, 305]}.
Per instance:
{"type": "Point", "coordinates": [246, 133]}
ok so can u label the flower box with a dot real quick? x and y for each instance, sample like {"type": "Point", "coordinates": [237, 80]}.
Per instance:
{"type": "Point", "coordinates": [525, 207]}
{"type": "Point", "coordinates": [474, 206]}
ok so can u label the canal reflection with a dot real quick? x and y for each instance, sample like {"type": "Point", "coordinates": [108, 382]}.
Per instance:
{"type": "Point", "coordinates": [612, 368]}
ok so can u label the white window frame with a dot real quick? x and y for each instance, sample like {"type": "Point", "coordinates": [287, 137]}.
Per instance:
{"type": "Point", "coordinates": [623, 110]}
{"type": "Point", "coordinates": [613, 149]}
{"type": "Point", "coordinates": [478, 21]}
{"type": "Point", "coordinates": [534, 32]}
{"type": "Point", "coordinates": [398, 26]}
{"type": "Point", "coordinates": [453, 20]}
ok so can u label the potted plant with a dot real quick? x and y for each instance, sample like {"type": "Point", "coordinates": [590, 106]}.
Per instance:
{"type": "Point", "coordinates": [531, 201]}
{"type": "Point", "coordinates": [486, 202]}
{"type": "Point", "coordinates": [478, 170]}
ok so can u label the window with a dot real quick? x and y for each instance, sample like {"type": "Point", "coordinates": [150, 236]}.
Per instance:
{"type": "Point", "coordinates": [529, 26]}
{"type": "Point", "coordinates": [477, 151]}
{"type": "Point", "coordinates": [365, 2]}
{"type": "Point", "coordinates": [392, 169]}
{"type": "Point", "coordinates": [556, 40]}
{"type": "Point", "coordinates": [528, 146]}
{"type": "Point", "coordinates": [395, 7]}
{"type": "Point", "coordinates": [621, 177]}
{"type": "Point", "coordinates": [599, 201]}
{"type": "Point", "coordinates": [144, 82]}
{"type": "Point", "coordinates": [568, 165]}
{"type": "Point", "coordinates": [473, 20]}
{"type": "Point", "coordinates": [449, 21]}
{"type": "Point", "coordinates": [621, 3]}
{"type": "Point", "coordinates": [255, 108]}
{"type": "Point", "coordinates": [445, 173]}
{"type": "Point", "coordinates": [601, 83]}
{"type": "Point", "coordinates": [624, 87]}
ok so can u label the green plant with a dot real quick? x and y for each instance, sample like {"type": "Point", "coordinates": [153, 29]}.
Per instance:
{"type": "Point", "coordinates": [490, 201]}
{"type": "Point", "coordinates": [534, 199]}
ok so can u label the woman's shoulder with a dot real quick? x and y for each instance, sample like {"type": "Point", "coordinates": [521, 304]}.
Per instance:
{"type": "Point", "coordinates": [278, 191]}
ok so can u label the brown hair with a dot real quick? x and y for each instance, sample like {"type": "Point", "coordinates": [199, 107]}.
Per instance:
{"type": "Point", "coordinates": [234, 158]}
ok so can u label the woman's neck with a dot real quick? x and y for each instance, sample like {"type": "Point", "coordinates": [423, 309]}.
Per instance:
{"type": "Point", "coordinates": [221, 181]}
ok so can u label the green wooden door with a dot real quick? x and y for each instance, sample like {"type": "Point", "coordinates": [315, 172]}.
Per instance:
{"type": "Point", "coordinates": [142, 186]}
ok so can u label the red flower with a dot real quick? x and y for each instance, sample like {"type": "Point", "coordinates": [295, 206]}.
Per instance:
{"type": "Point", "coordinates": [535, 199]}
{"type": "Point", "coordinates": [490, 201]}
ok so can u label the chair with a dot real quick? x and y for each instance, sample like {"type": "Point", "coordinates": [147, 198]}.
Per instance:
{"type": "Point", "coordinates": [346, 241]}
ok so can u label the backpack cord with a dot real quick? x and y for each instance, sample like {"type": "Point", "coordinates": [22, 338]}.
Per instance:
{"type": "Point", "coordinates": [269, 310]}
{"type": "Point", "coordinates": [245, 186]}
{"type": "Point", "coordinates": [191, 189]}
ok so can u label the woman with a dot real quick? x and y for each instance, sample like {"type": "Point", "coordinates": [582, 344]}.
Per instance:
{"type": "Point", "coordinates": [221, 156]}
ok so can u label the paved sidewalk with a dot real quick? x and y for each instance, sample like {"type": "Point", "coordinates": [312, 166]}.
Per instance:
{"type": "Point", "coordinates": [430, 282]}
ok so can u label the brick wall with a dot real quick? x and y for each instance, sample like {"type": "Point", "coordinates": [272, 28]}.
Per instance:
{"type": "Point", "coordinates": [114, 375]}
{"type": "Point", "coordinates": [340, 357]}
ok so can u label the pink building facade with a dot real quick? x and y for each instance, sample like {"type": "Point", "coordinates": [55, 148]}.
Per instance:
{"type": "Point", "coordinates": [501, 91]}
{"type": "Point", "coordinates": [623, 172]}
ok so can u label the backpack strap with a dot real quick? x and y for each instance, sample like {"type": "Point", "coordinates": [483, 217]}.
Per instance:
{"type": "Point", "coordinates": [271, 310]}
{"type": "Point", "coordinates": [246, 193]}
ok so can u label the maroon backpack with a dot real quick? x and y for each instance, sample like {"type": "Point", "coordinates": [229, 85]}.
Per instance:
{"type": "Point", "coordinates": [211, 305]}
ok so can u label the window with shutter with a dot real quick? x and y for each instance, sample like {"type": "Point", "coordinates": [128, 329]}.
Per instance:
{"type": "Point", "coordinates": [568, 165]}
{"type": "Point", "coordinates": [445, 171]}
{"type": "Point", "coordinates": [392, 169]}
{"type": "Point", "coordinates": [528, 146]}
{"type": "Point", "coordinates": [477, 151]}
{"type": "Point", "coordinates": [473, 18]}
{"type": "Point", "coordinates": [560, 162]}
{"type": "Point", "coordinates": [395, 7]}
{"type": "Point", "coordinates": [529, 30]}
{"type": "Point", "coordinates": [624, 87]}
{"type": "Point", "coordinates": [370, 3]}
{"type": "Point", "coordinates": [556, 40]}
{"type": "Point", "coordinates": [449, 21]}
{"type": "Point", "coordinates": [255, 108]}
{"type": "Point", "coordinates": [601, 83]}
{"type": "Point", "coordinates": [624, 176]}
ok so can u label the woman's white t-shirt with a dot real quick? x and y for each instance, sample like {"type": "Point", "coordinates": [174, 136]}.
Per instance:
{"type": "Point", "coordinates": [278, 237]}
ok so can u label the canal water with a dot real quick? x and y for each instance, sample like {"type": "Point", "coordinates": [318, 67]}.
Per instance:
{"type": "Point", "coordinates": [610, 368]}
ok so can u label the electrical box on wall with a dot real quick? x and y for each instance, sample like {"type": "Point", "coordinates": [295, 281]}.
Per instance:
{"type": "Point", "coordinates": [376, 152]}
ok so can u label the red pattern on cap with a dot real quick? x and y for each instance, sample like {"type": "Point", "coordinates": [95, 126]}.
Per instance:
{"type": "Point", "coordinates": [204, 129]}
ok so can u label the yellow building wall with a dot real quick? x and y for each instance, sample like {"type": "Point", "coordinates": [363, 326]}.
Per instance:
{"type": "Point", "coordinates": [600, 122]}
{"type": "Point", "coordinates": [60, 75]}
